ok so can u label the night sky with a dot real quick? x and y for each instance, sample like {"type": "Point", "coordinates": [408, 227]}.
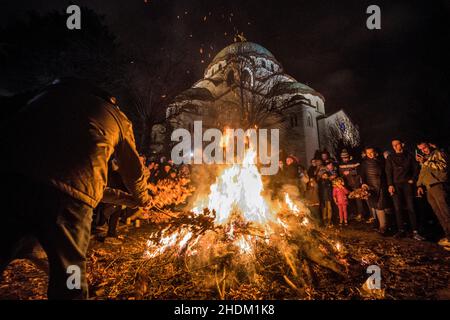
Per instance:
{"type": "Point", "coordinates": [393, 82]}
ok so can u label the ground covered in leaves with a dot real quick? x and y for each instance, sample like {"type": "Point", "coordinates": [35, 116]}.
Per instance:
{"type": "Point", "coordinates": [118, 269]}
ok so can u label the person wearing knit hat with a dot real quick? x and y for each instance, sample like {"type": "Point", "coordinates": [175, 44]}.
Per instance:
{"type": "Point", "coordinates": [345, 154]}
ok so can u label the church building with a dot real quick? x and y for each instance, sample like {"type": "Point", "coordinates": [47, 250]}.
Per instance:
{"type": "Point", "coordinates": [245, 86]}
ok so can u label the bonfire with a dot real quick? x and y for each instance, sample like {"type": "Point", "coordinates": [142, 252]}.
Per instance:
{"type": "Point", "coordinates": [235, 238]}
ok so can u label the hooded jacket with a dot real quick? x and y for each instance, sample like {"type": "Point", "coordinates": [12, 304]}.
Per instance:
{"type": "Point", "coordinates": [434, 169]}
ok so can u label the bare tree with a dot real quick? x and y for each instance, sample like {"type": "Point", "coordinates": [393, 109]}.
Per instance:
{"type": "Point", "coordinates": [151, 85]}
{"type": "Point", "coordinates": [258, 104]}
{"type": "Point", "coordinates": [36, 50]}
{"type": "Point", "coordinates": [342, 133]}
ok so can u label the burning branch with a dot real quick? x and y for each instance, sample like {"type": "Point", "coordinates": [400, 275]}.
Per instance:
{"type": "Point", "coordinates": [236, 233]}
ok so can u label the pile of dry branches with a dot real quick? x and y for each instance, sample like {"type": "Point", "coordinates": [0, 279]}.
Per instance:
{"type": "Point", "coordinates": [225, 261]}
{"type": "Point", "coordinates": [168, 193]}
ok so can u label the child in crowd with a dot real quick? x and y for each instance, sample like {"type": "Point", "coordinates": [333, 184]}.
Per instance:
{"type": "Point", "coordinates": [325, 194]}
{"type": "Point", "coordinates": [340, 193]}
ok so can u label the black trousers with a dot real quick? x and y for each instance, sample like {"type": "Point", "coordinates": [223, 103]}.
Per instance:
{"type": "Point", "coordinates": [357, 207]}
{"type": "Point", "coordinates": [404, 198]}
{"type": "Point", "coordinates": [315, 213]}
{"type": "Point", "coordinates": [112, 214]}
{"type": "Point", "coordinates": [59, 222]}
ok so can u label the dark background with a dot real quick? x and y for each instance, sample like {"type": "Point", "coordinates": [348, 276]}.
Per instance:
{"type": "Point", "coordinates": [393, 82]}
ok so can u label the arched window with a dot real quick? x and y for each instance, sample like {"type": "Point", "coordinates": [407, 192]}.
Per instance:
{"type": "Point", "coordinates": [273, 105]}
{"type": "Point", "coordinates": [230, 78]}
{"type": "Point", "coordinates": [309, 120]}
{"type": "Point", "coordinates": [247, 79]}
{"type": "Point", "coordinates": [297, 97]}
{"type": "Point", "coordinates": [294, 120]}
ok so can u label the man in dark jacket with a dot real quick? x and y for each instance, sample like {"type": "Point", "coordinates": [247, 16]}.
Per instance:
{"type": "Point", "coordinates": [290, 179]}
{"type": "Point", "coordinates": [373, 178]}
{"type": "Point", "coordinates": [290, 172]}
{"type": "Point", "coordinates": [401, 171]}
{"type": "Point", "coordinates": [55, 169]}
{"type": "Point", "coordinates": [326, 198]}
{"type": "Point", "coordinates": [349, 171]}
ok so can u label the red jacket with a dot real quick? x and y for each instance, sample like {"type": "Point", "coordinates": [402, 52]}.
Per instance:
{"type": "Point", "coordinates": [340, 195]}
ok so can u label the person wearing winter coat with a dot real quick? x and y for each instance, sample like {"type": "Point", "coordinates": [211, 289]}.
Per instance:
{"type": "Point", "coordinates": [434, 177]}
{"type": "Point", "coordinates": [326, 198]}
{"type": "Point", "coordinates": [373, 178]}
{"type": "Point", "coordinates": [401, 171]}
{"type": "Point", "coordinates": [349, 171]}
{"type": "Point", "coordinates": [55, 169]}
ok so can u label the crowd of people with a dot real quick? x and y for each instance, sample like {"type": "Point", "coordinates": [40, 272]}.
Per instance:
{"type": "Point", "coordinates": [373, 187]}
{"type": "Point", "coordinates": [85, 155]}
{"type": "Point", "coordinates": [162, 174]}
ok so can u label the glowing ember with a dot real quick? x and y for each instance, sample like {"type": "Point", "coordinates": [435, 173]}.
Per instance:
{"type": "Point", "coordinates": [291, 205]}
{"type": "Point", "coordinates": [285, 226]}
{"type": "Point", "coordinates": [244, 245]}
{"type": "Point", "coordinates": [185, 239]}
{"type": "Point", "coordinates": [231, 232]}
{"type": "Point", "coordinates": [156, 249]}
{"type": "Point", "coordinates": [305, 221]}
